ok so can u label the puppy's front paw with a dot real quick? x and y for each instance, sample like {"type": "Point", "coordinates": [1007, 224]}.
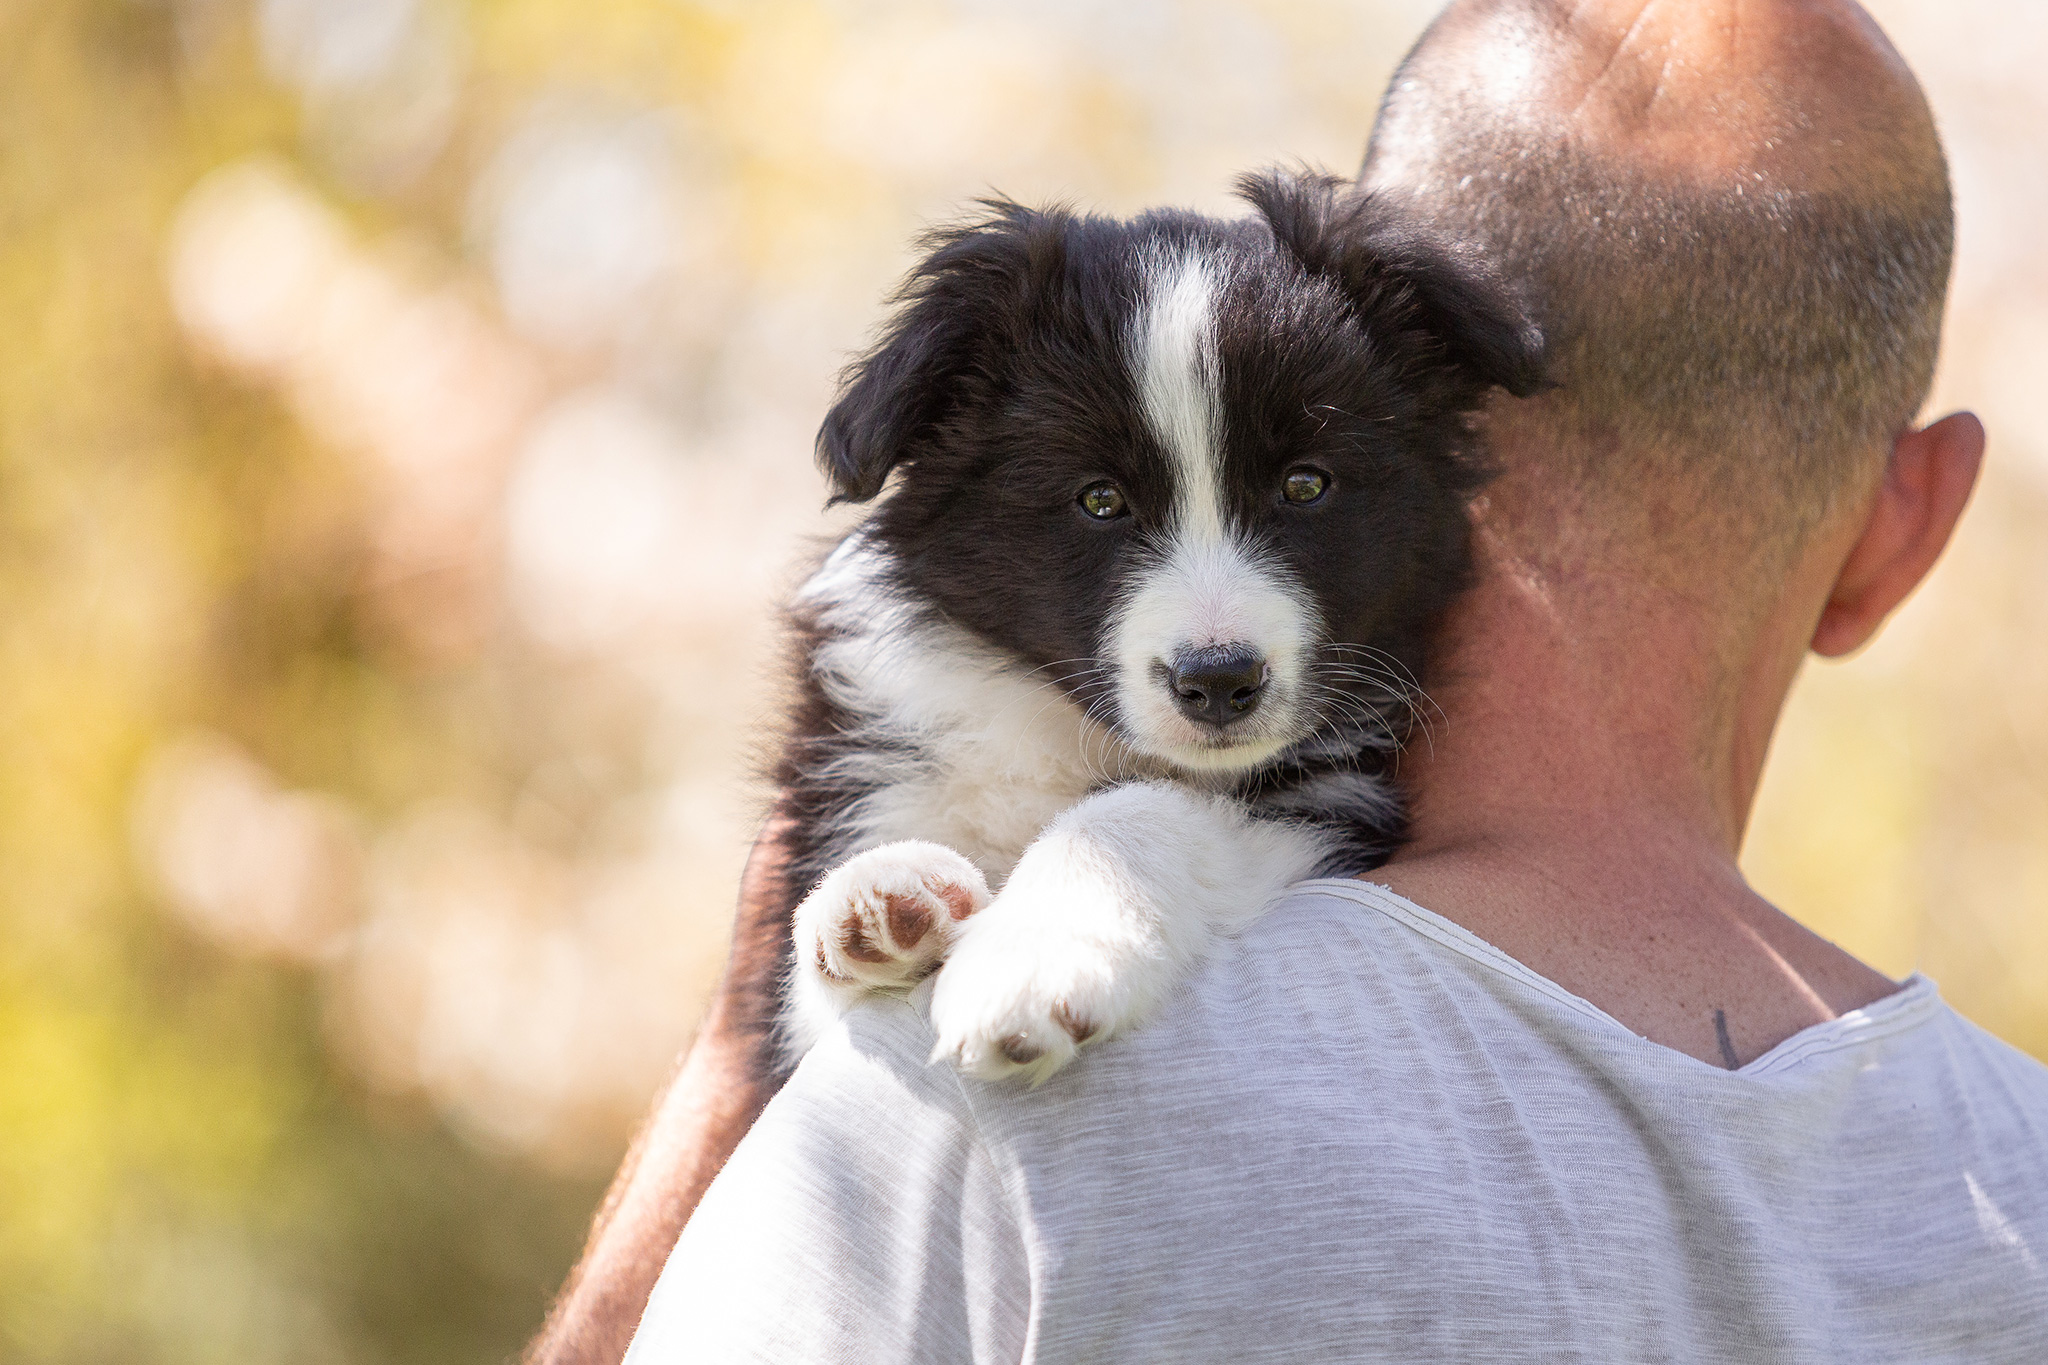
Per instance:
{"type": "Point", "coordinates": [1018, 997]}
{"type": "Point", "coordinates": [882, 920]}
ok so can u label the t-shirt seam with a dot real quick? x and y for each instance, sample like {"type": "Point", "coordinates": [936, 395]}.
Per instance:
{"type": "Point", "coordinates": [1373, 897]}
{"type": "Point", "coordinates": [1909, 1014]}
{"type": "Point", "coordinates": [1902, 1014]}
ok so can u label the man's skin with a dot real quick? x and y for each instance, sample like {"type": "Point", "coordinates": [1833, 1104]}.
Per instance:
{"type": "Point", "coordinates": [1568, 813]}
{"type": "Point", "coordinates": [1608, 687]}
{"type": "Point", "coordinates": [725, 1080]}
{"type": "Point", "coordinates": [1611, 684]}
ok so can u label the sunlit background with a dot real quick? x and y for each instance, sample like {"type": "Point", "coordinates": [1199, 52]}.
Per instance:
{"type": "Point", "coordinates": [405, 426]}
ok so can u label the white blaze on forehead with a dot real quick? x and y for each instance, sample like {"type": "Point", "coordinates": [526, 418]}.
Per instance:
{"type": "Point", "coordinates": [1174, 359]}
{"type": "Point", "coordinates": [1207, 586]}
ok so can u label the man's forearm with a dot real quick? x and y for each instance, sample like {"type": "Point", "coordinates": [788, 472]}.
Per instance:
{"type": "Point", "coordinates": [714, 1099]}
{"type": "Point", "coordinates": [725, 1080]}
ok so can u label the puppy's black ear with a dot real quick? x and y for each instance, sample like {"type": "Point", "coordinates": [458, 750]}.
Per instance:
{"type": "Point", "coordinates": [1393, 269]}
{"type": "Point", "coordinates": [950, 321]}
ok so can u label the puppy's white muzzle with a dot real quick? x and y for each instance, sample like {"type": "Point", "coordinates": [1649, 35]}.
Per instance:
{"type": "Point", "coordinates": [1209, 646]}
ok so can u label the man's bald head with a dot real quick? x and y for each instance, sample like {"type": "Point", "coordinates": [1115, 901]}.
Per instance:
{"type": "Point", "coordinates": [1733, 220]}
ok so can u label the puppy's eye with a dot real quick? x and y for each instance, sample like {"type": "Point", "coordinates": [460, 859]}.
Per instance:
{"type": "Point", "coordinates": [1103, 501]}
{"type": "Point", "coordinates": [1304, 485]}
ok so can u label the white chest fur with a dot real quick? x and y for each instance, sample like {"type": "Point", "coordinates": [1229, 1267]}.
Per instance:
{"type": "Point", "coordinates": [957, 744]}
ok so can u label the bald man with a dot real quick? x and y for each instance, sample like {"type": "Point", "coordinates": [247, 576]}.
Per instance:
{"type": "Point", "coordinates": [1563, 1087]}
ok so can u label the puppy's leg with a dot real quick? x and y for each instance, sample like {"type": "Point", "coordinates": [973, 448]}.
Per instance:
{"type": "Point", "coordinates": [1112, 907]}
{"type": "Point", "coordinates": [879, 922]}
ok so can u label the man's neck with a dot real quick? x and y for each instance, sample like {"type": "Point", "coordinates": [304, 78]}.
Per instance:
{"type": "Point", "coordinates": [1580, 801]}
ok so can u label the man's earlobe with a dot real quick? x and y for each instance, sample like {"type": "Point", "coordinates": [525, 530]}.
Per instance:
{"type": "Point", "coordinates": [1927, 482]}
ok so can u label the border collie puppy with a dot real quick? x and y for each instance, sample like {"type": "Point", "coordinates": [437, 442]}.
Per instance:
{"type": "Point", "coordinates": [1131, 640]}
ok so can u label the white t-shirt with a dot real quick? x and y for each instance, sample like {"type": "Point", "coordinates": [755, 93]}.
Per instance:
{"type": "Point", "coordinates": [1363, 1134]}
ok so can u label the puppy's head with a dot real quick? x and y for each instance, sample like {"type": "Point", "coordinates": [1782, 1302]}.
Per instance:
{"type": "Point", "coordinates": [1208, 477]}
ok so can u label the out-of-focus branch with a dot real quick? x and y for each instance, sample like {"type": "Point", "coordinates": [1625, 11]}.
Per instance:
{"type": "Point", "coordinates": [724, 1082]}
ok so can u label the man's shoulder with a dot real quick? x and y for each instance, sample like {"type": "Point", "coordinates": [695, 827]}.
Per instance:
{"type": "Point", "coordinates": [1281, 1010]}
{"type": "Point", "coordinates": [1318, 961]}
{"type": "Point", "coordinates": [1984, 1063]}
{"type": "Point", "coordinates": [860, 1219]}
{"type": "Point", "coordinates": [878, 1056]}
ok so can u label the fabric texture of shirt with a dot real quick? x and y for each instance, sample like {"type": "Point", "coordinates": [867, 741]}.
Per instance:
{"type": "Point", "coordinates": [1362, 1134]}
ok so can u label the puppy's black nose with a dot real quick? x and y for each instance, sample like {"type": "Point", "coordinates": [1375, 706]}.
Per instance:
{"type": "Point", "coordinates": [1217, 686]}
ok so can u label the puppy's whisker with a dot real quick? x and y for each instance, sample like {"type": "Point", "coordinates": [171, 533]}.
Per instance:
{"type": "Point", "coordinates": [1058, 696]}
{"type": "Point", "coordinates": [1401, 691]}
{"type": "Point", "coordinates": [1103, 733]}
{"type": "Point", "coordinates": [1357, 707]}
{"type": "Point", "coordinates": [1410, 684]}
{"type": "Point", "coordinates": [1357, 728]}
{"type": "Point", "coordinates": [1375, 652]}
{"type": "Point", "coordinates": [1057, 685]}
{"type": "Point", "coordinates": [1349, 702]}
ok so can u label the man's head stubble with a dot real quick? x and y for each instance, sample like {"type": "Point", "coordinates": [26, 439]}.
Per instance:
{"type": "Point", "coordinates": [1733, 221]}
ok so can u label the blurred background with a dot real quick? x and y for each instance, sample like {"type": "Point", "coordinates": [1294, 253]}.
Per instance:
{"type": "Point", "coordinates": [405, 427]}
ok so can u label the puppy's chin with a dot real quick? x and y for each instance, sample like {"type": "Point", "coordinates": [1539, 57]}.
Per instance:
{"type": "Point", "coordinates": [1214, 755]}
{"type": "Point", "coordinates": [1155, 730]}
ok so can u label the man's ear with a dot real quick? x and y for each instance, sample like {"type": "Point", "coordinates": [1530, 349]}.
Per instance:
{"type": "Point", "coordinates": [1927, 481]}
{"type": "Point", "coordinates": [1391, 268]}
{"type": "Point", "coordinates": [951, 315]}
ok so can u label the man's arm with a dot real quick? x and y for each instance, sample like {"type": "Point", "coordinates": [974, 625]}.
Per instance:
{"type": "Point", "coordinates": [728, 1076]}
